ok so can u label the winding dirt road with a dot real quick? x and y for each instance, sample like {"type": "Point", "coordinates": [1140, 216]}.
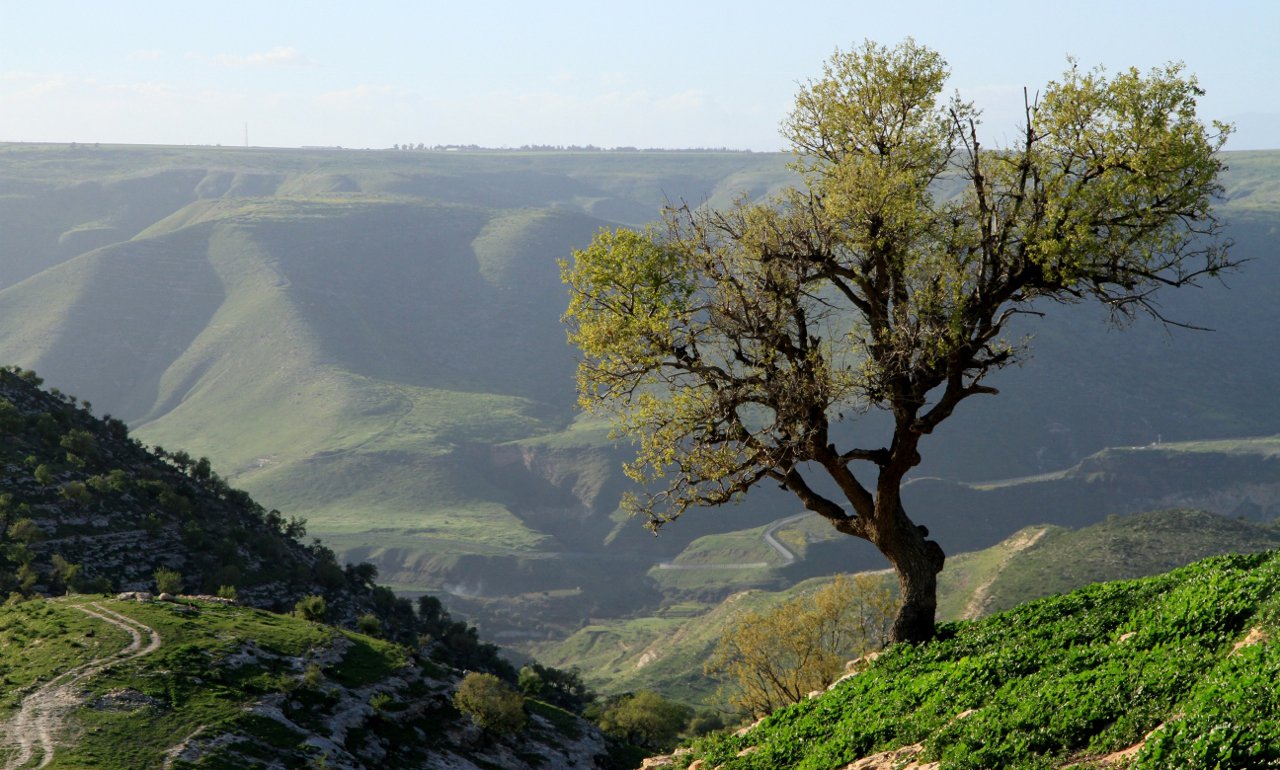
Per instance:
{"type": "Point", "coordinates": [788, 556]}
{"type": "Point", "coordinates": [31, 731]}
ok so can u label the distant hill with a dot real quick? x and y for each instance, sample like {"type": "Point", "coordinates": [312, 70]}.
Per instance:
{"type": "Point", "coordinates": [371, 341]}
{"type": "Point", "coordinates": [1173, 671]}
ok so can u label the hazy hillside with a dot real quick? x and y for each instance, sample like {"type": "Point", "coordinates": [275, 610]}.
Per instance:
{"type": "Point", "coordinates": [85, 508]}
{"type": "Point", "coordinates": [371, 340]}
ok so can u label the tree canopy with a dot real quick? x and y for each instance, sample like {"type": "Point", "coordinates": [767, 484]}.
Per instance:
{"type": "Point", "coordinates": [729, 344]}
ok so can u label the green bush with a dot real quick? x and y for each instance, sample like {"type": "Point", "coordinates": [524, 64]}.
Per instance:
{"type": "Point", "coordinates": [368, 623]}
{"type": "Point", "coordinates": [311, 608]}
{"type": "Point", "coordinates": [168, 581]}
{"type": "Point", "coordinates": [493, 705]}
{"type": "Point", "coordinates": [645, 719]}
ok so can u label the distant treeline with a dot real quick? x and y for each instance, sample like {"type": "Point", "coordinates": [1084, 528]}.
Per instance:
{"type": "Point", "coordinates": [554, 148]}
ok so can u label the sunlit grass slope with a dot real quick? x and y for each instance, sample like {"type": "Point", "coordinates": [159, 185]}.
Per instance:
{"type": "Point", "coordinates": [1181, 669]}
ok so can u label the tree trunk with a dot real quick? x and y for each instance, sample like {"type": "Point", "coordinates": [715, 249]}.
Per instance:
{"type": "Point", "coordinates": [917, 560]}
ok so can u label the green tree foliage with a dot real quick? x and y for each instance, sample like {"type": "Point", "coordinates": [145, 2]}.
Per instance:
{"type": "Point", "coordinates": [11, 420]}
{"type": "Point", "coordinates": [559, 687]}
{"type": "Point", "coordinates": [491, 703]}
{"type": "Point", "coordinates": [311, 608]}
{"type": "Point", "coordinates": [775, 657]}
{"type": "Point", "coordinates": [456, 643]}
{"type": "Point", "coordinates": [25, 531]}
{"type": "Point", "coordinates": [730, 344]}
{"type": "Point", "coordinates": [645, 719]}
{"type": "Point", "coordinates": [168, 581]}
{"type": "Point", "coordinates": [65, 574]}
{"type": "Point", "coordinates": [43, 475]}
{"type": "Point", "coordinates": [368, 623]}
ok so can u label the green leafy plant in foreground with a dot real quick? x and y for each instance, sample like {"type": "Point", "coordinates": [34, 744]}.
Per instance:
{"type": "Point", "coordinates": [1061, 680]}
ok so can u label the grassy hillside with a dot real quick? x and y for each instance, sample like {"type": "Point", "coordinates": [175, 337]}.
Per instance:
{"type": "Point", "coordinates": [126, 685]}
{"type": "Point", "coordinates": [1173, 671]}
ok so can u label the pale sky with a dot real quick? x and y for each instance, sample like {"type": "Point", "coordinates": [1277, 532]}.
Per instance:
{"type": "Point", "coordinates": [662, 73]}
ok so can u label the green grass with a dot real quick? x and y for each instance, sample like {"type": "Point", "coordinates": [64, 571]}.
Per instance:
{"type": "Point", "coordinates": [188, 680]}
{"type": "Point", "coordinates": [1059, 680]}
{"type": "Point", "coordinates": [367, 660]}
{"type": "Point", "coordinates": [41, 639]}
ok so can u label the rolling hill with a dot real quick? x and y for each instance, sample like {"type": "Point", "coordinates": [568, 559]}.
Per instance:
{"type": "Point", "coordinates": [127, 685]}
{"type": "Point", "coordinates": [371, 340]}
{"type": "Point", "coordinates": [163, 681]}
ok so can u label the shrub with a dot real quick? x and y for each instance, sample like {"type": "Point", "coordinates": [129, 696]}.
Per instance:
{"type": "Point", "coordinates": [227, 592]}
{"type": "Point", "coordinates": [491, 703]}
{"type": "Point", "coordinates": [368, 623]}
{"type": "Point", "coordinates": [311, 608]}
{"type": "Point", "coordinates": [775, 657]}
{"type": "Point", "coordinates": [645, 719]}
{"type": "Point", "coordinates": [168, 581]}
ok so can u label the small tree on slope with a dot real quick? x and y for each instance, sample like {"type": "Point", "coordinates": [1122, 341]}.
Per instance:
{"type": "Point", "coordinates": [728, 344]}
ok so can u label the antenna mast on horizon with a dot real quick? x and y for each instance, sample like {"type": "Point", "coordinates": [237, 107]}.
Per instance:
{"type": "Point", "coordinates": [246, 133]}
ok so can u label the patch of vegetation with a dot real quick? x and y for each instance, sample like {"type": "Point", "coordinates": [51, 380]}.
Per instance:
{"type": "Point", "coordinates": [1071, 677]}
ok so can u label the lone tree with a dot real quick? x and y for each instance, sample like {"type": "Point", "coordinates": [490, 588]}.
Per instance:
{"type": "Point", "coordinates": [728, 344]}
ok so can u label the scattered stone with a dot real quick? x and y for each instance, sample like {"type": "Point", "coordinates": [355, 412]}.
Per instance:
{"type": "Point", "coordinates": [211, 599]}
{"type": "Point", "coordinates": [896, 759]}
{"type": "Point", "coordinates": [124, 699]}
{"type": "Point", "coordinates": [858, 665]}
{"type": "Point", "coordinates": [165, 597]}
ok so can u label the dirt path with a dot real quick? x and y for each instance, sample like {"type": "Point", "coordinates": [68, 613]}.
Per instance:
{"type": "Point", "coordinates": [31, 731]}
{"type": "Point", "coordinates": [973, 610]}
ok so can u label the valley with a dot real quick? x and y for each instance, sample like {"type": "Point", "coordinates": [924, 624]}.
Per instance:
{"type": "Point", "coordinates": [372, 341]}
